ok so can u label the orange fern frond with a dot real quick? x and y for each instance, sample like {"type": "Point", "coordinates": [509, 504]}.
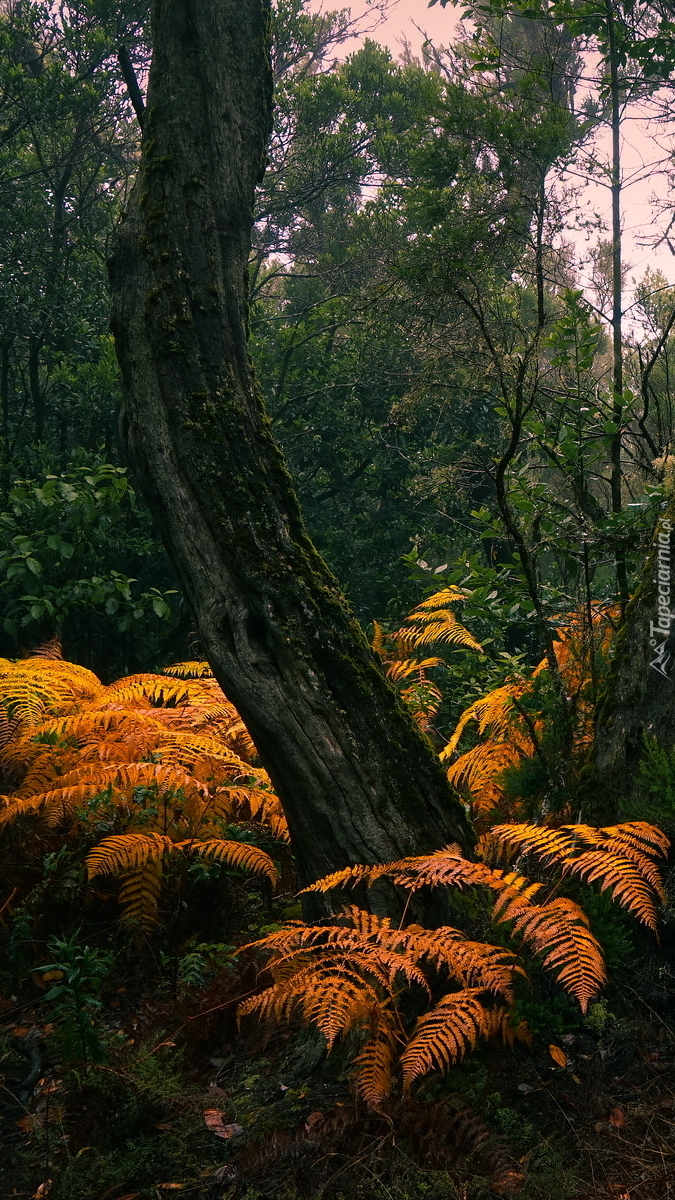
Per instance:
{"type": "Point", "coordinates": [241, 855]}
{"type": "Point", "coordinates": [619, 858]}
{"type": "Point", "coordinates": [478, 771]}
{"type": "Point", "coordinates": [140, 893]}
{"type": "Point", "coordinates": [433, 623]}
{"type": "Point", "coordinates": [493, 713]}
{"type": "Point", "coordinates": [621, 878]}
{"type": "Point", "coordinates": [559, 932]}
{"type": "Point", "coordinates": [127, 852]}
{"type": "Point", "coordinates": [376, 1061]}
{"type": "Point", "coordinates": [442, 1036]}
{"type": "Point", "coordinates": [189, 670]}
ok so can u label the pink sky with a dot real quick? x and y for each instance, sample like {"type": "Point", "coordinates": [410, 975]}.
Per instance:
{"type": "Point", "coordinates": [639, 153]}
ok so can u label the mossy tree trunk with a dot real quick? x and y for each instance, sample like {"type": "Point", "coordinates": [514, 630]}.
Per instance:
{"type": "Point", "coordinates": [358, 781]}
{"type": "Point", "coordinates": [639, 698]}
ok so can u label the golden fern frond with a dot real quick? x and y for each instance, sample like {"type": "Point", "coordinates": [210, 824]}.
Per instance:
{"type": "Point", "coordinates": [410, 667]}
{"type": "Point", "coordinates": [156, 689]}
{"type": "Point", "coordinates": [640, 846]}
{"type": "Point", "coordinates": [379, 642]}
{"type": "Point", "coordinates": [347, 877]}
{"type": "Point", "coordinates": [614, 861]}
{"type": "Point", "coordinates": [27, 701]}
{"type": "Point", "coordinates": [559, 932]}
{"type": "Point", "coordinates": [127, 852]}
{"type": "Point", "coordinates": [432, 623]}
{"type": "Point", "coordinates": [58, 803]}
{"type": "Point", "coordinates": [92, 724]}
{"type": "Point", "coordinates": [189, 670]}
{"type": "Point", "coordinates": [647, 839]}
{"type": "Point", "coordinates": [82, 684]}
{"type": "Point", "coordinates": [442, 1036]}
{"type": "Point", "coordinates": [241, 855]}
{"type": "Point", "coordinates": [335, 999]}
{"type": "Point", "coordinates": [493, 712]}
{"type": "Point", "coordinates": [375, 1062]}
{"type": "Point", "coordinates": [547, 845]}
{"type": "Point", "coordinates": [256, 804]}
{"type": "Point", "coordinates": [445, 868]}
{"type": "Point", "coordinates": [124, 777]}
{"type": "Point", "coordinates": [139, 894]}
{"type": "Point", "coordinates": [479, 769]}
{"type": "Point", "coordinates": [621, 878]}
{"type": "Point", "coordinates": [473, 964]}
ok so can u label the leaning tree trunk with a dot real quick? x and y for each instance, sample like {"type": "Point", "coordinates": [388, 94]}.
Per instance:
{"type": "Point", "coordinates": [357, 780]}
{"type": "Point", "coordinates": [639, 697]}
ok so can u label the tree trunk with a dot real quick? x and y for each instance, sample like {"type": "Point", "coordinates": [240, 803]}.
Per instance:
{"type": "Point", "coordinates": [639, 697]}
{"type": "Point", "coordinates": [358, 781]}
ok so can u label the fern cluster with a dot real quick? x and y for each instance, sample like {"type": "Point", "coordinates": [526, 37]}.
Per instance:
{"type": "Point", "coordinates": [168, 752]}
{"type": "Point", "coordinates": [510, 722]}
{"type": "Point", "coordinates": [432, 623]}
{"type": "Point", "coordinates": [350, 973]}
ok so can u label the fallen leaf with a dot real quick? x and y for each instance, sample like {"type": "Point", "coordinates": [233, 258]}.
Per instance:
{"type": "Point", "coordinates": [213, 1119]}
{"type": "Point", "coordinates": [43, 1190]}
{"type": "Point", "coordinates": [617, 1118]}
{"type": "Point", "coordinates": [314, 1121]}
{"type": "Point", "coordinates": [559, 1057]}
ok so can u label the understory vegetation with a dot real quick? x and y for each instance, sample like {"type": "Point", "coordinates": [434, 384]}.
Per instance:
{"type": "Point", "coordinates": [478, 415]}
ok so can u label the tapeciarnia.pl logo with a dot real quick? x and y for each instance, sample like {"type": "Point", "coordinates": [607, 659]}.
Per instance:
{"type": "Point", "coordinates": [660, 629]}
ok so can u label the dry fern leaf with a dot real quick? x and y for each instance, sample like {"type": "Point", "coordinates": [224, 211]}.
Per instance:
{"type": "Point", "coordinates": [559, 932]}
{"type": "Point", "coordinates": [190, 670]}
{"type": "Point", "coordinates": [158, 690]}
{"type": "Point", "coordinates": [433, 623]}
{"type": "Point", "coordinates": [335, 998]}
{"type": "Point", "coordinates": [139, 894]}
{"type": "Point", "coordinates": [621, 878]}
{"type": "Point", "coordinates": [639, 835]}
{"type": "Point", "coordinates": [619, 858]}
{"type": "Point", "coordinates": [494, 712]}
{"type": "Point", "coordinates": [442, 1036]}
{"type": "Point", "coordinates": [410, 667]}
{"type": "Point", "coordinates": [376, 1061]}
{"type": "Point", "coordinates": [127, 852]}
{"type": "Point", "coordinates": [479, 768]}
{"type": "Point", "coordinates": [241, 855]}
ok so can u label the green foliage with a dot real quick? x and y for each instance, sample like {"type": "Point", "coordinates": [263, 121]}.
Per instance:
{"type": "Point", "coordinates": [656, 784]}
{"type": "Point", "coordinates": [75, 997]}
{"type": "Point", "coordinates": [63, 539]}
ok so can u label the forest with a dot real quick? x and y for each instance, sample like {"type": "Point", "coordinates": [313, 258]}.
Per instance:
{"type": "Point", "coordinates": [337, 671]}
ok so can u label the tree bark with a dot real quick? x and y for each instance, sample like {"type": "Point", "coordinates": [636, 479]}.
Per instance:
{"type": "Point", "coordinates": [639, 697]}
{"type": "Point", "coordinates": [357, 779]}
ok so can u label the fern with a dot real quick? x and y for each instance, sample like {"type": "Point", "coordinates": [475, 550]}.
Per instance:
{"type": "Point", "coordinates": [621, 858]}
{"type": "Point", "coordinates": [442, 1036]}
{"type": "Point", "coordinates": [434, 623]}
{"type": "Point", "coordinates": [162, 750]}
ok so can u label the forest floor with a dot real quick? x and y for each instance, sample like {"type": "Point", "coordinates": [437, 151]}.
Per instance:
{"type": "Point", "coordinates": [184, 1103]}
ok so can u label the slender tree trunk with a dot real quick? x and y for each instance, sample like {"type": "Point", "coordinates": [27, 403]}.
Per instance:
{"type": "Point", "coordinates": [639, 696]}
{"type": "Point", "coordinates": [617, 297]}
{"type": "Point", "coordinates": [358, 781]}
